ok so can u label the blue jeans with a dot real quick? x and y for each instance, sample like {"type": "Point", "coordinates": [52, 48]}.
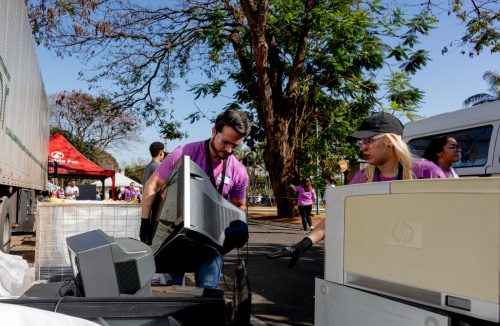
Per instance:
{"type": "Point", "coordinates": [207, 276]}
{"type": "Point", "coordinates": [305, 214]}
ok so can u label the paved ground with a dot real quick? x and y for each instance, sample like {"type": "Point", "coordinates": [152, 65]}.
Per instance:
{"type": "Point", "coordinates": [269, 215]}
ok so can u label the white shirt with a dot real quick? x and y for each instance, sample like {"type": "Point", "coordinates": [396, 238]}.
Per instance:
{"type": "Point", "coordinates": [71, 191]}
{"type": "Point", "coordinates": [324, 194]}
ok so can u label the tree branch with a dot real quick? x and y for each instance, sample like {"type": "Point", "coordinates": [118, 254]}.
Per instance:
{"type": "Point", "coordinates": [299, 58]}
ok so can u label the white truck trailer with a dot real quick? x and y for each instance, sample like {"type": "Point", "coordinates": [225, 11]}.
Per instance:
{"type": "Point", "coordinates": [24, 123]}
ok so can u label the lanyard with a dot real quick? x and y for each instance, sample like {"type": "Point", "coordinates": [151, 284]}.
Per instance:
{"type": "Point", "coordinates": [210, 169]}
{"type": "Point", "coordinates": [398, 177]}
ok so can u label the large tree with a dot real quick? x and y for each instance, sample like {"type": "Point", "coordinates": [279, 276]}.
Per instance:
{"type": "Point", "coordinates": [94, 119]}
{"type": "Point", "coordinates": [296, 63]}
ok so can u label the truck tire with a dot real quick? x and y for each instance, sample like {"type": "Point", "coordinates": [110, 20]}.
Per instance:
{"type": "Point", "coordinates": [5, 227]}
{"type": "Point", "coordinates": [6, 235]}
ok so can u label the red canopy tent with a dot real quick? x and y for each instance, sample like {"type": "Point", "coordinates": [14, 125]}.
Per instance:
{"type": "Point", "coordinates": [72, 163]}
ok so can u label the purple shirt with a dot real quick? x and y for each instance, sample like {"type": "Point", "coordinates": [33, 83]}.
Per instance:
{"type": "Point", "coordinates": [305, 197]}
{"type": "Point", "coordinates": [236, 180]}
{"type": "Point", "coordinates": [129, 194]}
{"type": "Point", "coordinates": [422, 169]}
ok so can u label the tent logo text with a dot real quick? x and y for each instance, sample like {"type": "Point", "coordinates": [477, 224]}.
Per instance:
{"type": "Point", "coordinates": [57, 155]}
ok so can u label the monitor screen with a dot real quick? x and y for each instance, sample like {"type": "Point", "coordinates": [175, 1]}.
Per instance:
{"type": "Point", "coordinates": [104, 266]}
{"type": "Point", "coordinates": [193, 220]}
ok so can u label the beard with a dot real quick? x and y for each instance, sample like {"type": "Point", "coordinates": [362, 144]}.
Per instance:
{"type": "Point", "coordinates": [221, 156]}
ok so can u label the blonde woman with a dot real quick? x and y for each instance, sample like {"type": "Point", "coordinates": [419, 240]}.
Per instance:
{"type": "Point", "coordinates": [388, 158]}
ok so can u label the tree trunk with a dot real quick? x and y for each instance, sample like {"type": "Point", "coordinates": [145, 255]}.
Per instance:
{"type": "Point", "coordinates": [278, 156]}
{"type": "Point", "coordinates": [278, 116]}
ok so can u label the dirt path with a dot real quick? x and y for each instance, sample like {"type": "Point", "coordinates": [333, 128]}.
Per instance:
{"type": "Point", "coordinates": [24, 245]}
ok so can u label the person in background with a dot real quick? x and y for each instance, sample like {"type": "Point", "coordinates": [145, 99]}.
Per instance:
{"type": "Point", "coordinates": [228, 176]}
{"type": "Point", "coordinates": [60, 193]}
{"type": "Point", "coordinates": [329, 183]}
{"type": "Point", "coordinates": [157, 151]}
{"type": "Point", "coordinates": [131, 193]}
{"type": "Point", "coordinates": [119, 195]}
{"type": "Point", "coordinates": [97, 195]}
{"type": "Point", "coordinates": [71, 191]}
{"type": "Point", "coordinates": [444, 151]}
{"type": "Point", "coordinates": [388, 158]}
{"type": "Point", "coordinates": [306, 197]}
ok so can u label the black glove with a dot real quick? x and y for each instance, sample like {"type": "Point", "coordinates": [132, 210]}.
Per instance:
{"type": "Point", "coordinates": [294, 251]}
{"type": "Point", "coordinates": [235, 236]}
{"type": "Point", "coordinates": [146, 232]}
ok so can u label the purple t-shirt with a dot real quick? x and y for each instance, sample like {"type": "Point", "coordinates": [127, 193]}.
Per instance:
{"type": "Point", "coordinates": [236, 180]}
{"type": "Point", "coordinates": [422, 169]}
{"type": "Point", "coordinates": [305, 197]}
{"type": "Point", "coordinates": [129, 194]}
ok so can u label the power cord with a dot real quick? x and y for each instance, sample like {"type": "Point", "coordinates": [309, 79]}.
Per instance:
{"type": "Point", "coordinates": [58, 302]}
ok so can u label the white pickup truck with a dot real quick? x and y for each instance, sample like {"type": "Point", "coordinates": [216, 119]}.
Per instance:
{"type": "Point", "coordinates": [476, 129]}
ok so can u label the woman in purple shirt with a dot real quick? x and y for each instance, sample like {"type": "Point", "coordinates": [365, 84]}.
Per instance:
{"type": "Point", "coordinates": [388, 158]}
{"type": "Point", "coordinates": [306, 197]}
{"type": "Point", "coordinates": [131, 193]}
{"type": "Point", "coordinates": [444, 151]}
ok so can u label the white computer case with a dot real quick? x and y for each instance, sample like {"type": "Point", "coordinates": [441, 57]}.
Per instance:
{"type": "Point", "coordinates": [433, 242]}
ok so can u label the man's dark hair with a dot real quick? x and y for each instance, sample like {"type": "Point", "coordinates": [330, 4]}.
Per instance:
{"type": "Point", "coordinates": [331, 179]}
{"type": "Point", "coordinates": [155, 148]}
{"type": "Point", "coordinates": [235, 119]}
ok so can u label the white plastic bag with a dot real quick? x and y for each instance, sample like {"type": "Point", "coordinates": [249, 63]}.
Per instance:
{"type": "Point", "coordinates": [15, 275]}
{"type": "Point", "coordinates": [16, 315]}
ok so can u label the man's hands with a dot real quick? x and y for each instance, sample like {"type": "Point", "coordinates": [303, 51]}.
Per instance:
{"type": "Point", "coordinates": [235, 236]}
{"type": "Point", "coordinates": [294, 251]}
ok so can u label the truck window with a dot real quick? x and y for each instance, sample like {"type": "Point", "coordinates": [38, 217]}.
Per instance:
{"type": "Point", "coordinates": [475, 145]}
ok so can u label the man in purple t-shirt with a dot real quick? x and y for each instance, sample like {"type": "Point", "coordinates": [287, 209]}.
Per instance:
{"type": "Point", "coordinates": [231, 128]}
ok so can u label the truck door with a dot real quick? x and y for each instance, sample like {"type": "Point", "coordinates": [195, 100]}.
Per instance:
{"type": "Point", "coordinates": [494, 168]}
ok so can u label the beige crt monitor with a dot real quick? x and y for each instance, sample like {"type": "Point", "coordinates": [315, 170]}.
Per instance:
{"type": "Point", "coordinates": [434, 242]}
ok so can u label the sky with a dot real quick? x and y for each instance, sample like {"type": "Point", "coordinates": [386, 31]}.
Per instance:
{"type": "Point", "coordinates": [446, 81]}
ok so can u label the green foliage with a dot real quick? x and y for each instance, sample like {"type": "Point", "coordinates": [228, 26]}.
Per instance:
{"type": "Point", "coordinates": [106, 160]}
{"type": "Point", "coordinates": [135, 171]}
{"type": "Point", "coordinates": [306, 72]}
{"type": "Point", "coordinates": [202, 90]}
{"type": "Point", "coordinates": [493, 80]}
{"type": "Point", "coordinates": [170, 130]}
{"type": "Point", "coordinates": [481, 21]}
{"type": "Point", "coordinates": [403, 97]}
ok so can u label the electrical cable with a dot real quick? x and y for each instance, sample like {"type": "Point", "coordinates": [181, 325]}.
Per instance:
{"type": "Point", "coordinates": [58, 302]}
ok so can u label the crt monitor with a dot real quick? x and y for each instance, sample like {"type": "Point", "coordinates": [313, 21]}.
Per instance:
{"type": "Point", "coordinates": [104, 266]}
{"type": "Point", "coordinates": [194, 221]}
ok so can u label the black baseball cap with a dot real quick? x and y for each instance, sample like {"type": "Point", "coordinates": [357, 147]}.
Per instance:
{"type": "Point", "coordinates": [379, 123]}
